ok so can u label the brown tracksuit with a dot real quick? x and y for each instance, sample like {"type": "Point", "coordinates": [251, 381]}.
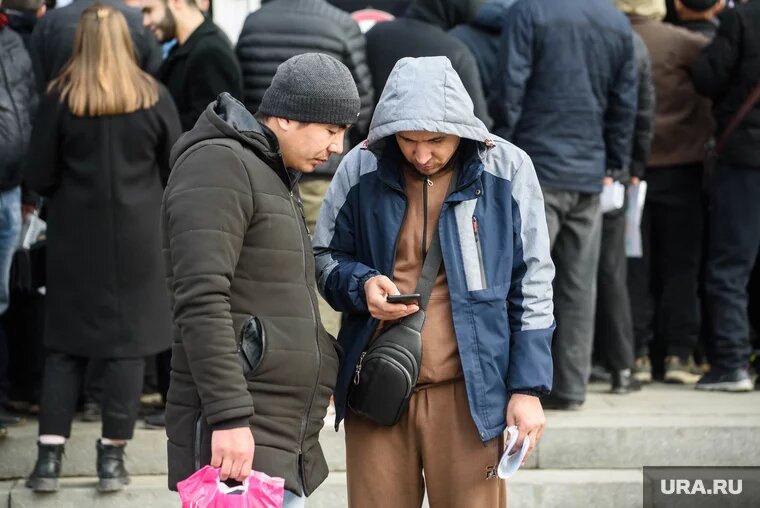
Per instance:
{"type": "Point", "coordinates": [436, 435]}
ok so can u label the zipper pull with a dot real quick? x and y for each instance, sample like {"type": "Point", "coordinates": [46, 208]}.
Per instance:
{"type": "Point", "coordinates": [428, 181]}
{"type": "Point", "coordinates": [359, 368]}
{"type": "Point", "coordinates": [475, 227]}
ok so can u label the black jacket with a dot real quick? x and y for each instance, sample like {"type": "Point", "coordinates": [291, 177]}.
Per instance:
{"type": "Point", "coordinates": [644, 127]}
{"type": "Point", "coordinates": [53, 39]}
{"type": "Point", "coordinates": [704, 27]}
{"type": "Point", "coordinates": [235, 244]}
{"type": "Point", "coordinates": [106, 293]}
{"type": "Point", "coordinates": [18, 100]}
{"type": "Point", "coordinates": [22, 22]}
{"type": "Point", "coordinates": [282, 29]}
{"type": "Point", "coordinates": [726, 71]}
{"type": "Point", "coordinates": [423, 33]}
{"type": "Point", "coordinates": [482, 35]}
{"type": "Point", "coordinates": [199, 70]}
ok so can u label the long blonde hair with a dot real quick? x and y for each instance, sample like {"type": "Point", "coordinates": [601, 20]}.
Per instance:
{"type": "Point", "coordinates": [102, 77]}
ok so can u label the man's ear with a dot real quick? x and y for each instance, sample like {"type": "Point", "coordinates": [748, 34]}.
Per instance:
{"type": "Point", "coordinates": [284, 123]}
{"type": "Point", "coordinates": [41, 11]}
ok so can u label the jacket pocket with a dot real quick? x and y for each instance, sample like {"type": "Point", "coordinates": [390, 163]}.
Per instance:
{"type": "Point", "coordinates": [252, 345]}
{"type": "Point", "coordinates": [479, 250]}
{"type": "Point", "coordinates": [471, 245]}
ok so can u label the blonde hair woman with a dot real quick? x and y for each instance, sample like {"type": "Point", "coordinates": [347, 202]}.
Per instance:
{"type": "Point", "coordinates": [100, 154]}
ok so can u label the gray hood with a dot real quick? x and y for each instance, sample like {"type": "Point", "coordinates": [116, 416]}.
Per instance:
{"type": "Point", "coordinates": [424, 94]}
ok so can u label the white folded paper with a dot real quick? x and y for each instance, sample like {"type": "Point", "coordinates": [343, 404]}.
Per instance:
{"type": "Point", "coordinates": [613, 197]}
{"type": "Point", "coordinates": [510, 461]}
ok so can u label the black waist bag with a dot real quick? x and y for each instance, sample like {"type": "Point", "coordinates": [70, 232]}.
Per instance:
{"type": "Point", "coordinates": [387, 372]}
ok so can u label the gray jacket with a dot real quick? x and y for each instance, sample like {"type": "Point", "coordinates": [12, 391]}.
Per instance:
{"type": "Point", "coordinates": [235, 245]}
{"type": "Point", "coordinates": [18, 102]}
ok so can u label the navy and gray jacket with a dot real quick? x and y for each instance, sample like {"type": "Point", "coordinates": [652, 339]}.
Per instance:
{"type": "Point", "coordinates": [565, 91]}
{"type": "Point", "coordinates": [502, 305]}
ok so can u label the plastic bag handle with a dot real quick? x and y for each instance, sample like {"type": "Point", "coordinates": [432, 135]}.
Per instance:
{"type": "Point", "coordinates": [226, 489]}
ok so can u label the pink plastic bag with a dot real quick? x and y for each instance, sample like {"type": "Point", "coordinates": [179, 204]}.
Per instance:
{"type": "Point", "coordinates": [204, 490]}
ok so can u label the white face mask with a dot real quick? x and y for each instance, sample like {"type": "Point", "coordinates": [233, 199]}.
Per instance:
{"type": "Point", "coordinates": [511, 460]}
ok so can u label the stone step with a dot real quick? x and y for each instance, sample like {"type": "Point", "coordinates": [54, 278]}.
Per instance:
{"type": "Point", "coordinates": [528, 489]}
{"type": "Point", "coordinates": [660, 426]}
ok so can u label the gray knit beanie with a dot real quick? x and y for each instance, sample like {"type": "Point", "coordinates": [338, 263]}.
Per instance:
{"type": "Point", "coordinates": [312, 87]}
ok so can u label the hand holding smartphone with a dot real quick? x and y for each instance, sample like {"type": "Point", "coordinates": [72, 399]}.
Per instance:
{"type": "Point", "coordinates": [407, 299]}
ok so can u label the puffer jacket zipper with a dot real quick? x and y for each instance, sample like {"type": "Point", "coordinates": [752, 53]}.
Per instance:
{"type": "Point", "coordinates": [305, 418]}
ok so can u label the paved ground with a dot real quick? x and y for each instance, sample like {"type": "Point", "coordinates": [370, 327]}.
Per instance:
{"type": "Point", "coordinates": [590, 458]}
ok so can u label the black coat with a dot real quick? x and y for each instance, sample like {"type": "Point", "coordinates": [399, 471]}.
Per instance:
{"type": "Point", "coordinates": [199, 70]}
{"type": "Point", "coordinates": [106, 293]}
{"type": "Point", "coordinates": [726, 71]}
{"type": "Point", "coordinates": [18, 100]}
{"type": "Point", "coordinates": [282, 29]}
{"type": "Point", "coordinates": [390, 41]}
{"type": "Point", "coordinates": [53, 39]}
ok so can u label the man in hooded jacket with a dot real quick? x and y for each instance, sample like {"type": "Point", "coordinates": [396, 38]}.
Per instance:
{"type": "Point", "coordinates": [237, 248]}
{"type": "Point", "coordinates": [486, 341]}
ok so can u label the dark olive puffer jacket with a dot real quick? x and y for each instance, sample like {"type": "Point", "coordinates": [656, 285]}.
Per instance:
{"type": "Point", "coordinates": [235, 245]}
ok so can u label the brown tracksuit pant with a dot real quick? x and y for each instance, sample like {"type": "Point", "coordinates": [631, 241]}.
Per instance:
{"type": "Point", "coordinates": [437, 437]}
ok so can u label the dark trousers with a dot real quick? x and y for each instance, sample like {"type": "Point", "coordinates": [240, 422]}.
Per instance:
{"type": "Point", "coordinates": [24, 326]}
{"type": "Point", "coordinates": [614, 326]}
{"type": "Point", "coordinates": [575, 227]}
{"type": "Point", "coordinates": [93, 381]}
{"type": "Point", "coordinates": [663, 284]}
{"type": "Point", "coordinates": [122, 384]}
{"type": "Point", "coordinates": [163, 372]}
{"type": "Point", "coordinates": [733, 251]}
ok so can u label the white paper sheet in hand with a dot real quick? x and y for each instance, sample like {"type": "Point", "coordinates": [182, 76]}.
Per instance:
{"type": "Point", "coordinates": [613, 197]}
{"type": "Point", "coordinates": [636, 198]}
{"type": "Point", "coordinates": [511, 459]}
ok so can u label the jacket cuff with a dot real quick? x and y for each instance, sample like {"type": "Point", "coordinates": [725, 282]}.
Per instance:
{"type": "Point", "coordinates": [533, 392]}
{"type": "Point", "coordinates": [530, 361]}
{"type": "Point", "coordinates": [235, 423]}
{"type": "Point", "coordinates": [363, 281]}
{"type": "Point", "coordinates": [637, 169]}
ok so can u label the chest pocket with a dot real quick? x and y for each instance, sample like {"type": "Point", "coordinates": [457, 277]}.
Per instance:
{"type": "Point", "coordinates": [470, 245]}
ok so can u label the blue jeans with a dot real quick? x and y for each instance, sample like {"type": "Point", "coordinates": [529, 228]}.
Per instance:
{"type": "Point", "coordinates": [10, 227]}
{"type": "Point", "coordinates": [292, 500]}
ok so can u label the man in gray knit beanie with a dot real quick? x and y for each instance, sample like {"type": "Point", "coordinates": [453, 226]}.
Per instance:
{"type": "Point", "coordinates": [241, 268]}
{"type": "Point", "coordinates": [312, 87]}
{"type": "Point", "coordinates": [309, 105]}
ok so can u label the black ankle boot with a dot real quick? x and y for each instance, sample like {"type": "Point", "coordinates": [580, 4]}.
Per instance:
{"type": "Point", "coordinates": [44, 477]}
{"type": "Point", "coordinates": [623, 382]}
{"type": "Point", "coordinates": [112, 475]}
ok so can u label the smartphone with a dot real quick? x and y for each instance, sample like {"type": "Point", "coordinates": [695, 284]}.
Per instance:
{"type": "Point", "coordinates": [410, 299]}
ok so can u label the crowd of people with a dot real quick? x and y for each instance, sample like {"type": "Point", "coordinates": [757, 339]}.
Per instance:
{"type": "Point", "coordinates": [579, 96]}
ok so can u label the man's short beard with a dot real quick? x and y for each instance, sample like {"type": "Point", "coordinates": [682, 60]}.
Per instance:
{"type": "Point", "coordinates": [168, 26]}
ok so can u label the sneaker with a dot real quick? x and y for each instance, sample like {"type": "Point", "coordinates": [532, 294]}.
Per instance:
{"type": "Point", "coordinates": [736, 380]}
{"type": "Point", "coordinates": [156, 420]}
{"type": "Point", "coordinates": [642, 370]}
{"type": "Point", "coordinates": [3, 430]}
{"type": "Point", "coordinates": [599, 374]}
{"type": "Point", "coordinates": [680, 371]}
{"type": "Point", "coordinates": [9, 418]}
{"type": "Point", "coordinates": [623, 382]}
{"type": "Point", "coordinates": [91, 412]}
